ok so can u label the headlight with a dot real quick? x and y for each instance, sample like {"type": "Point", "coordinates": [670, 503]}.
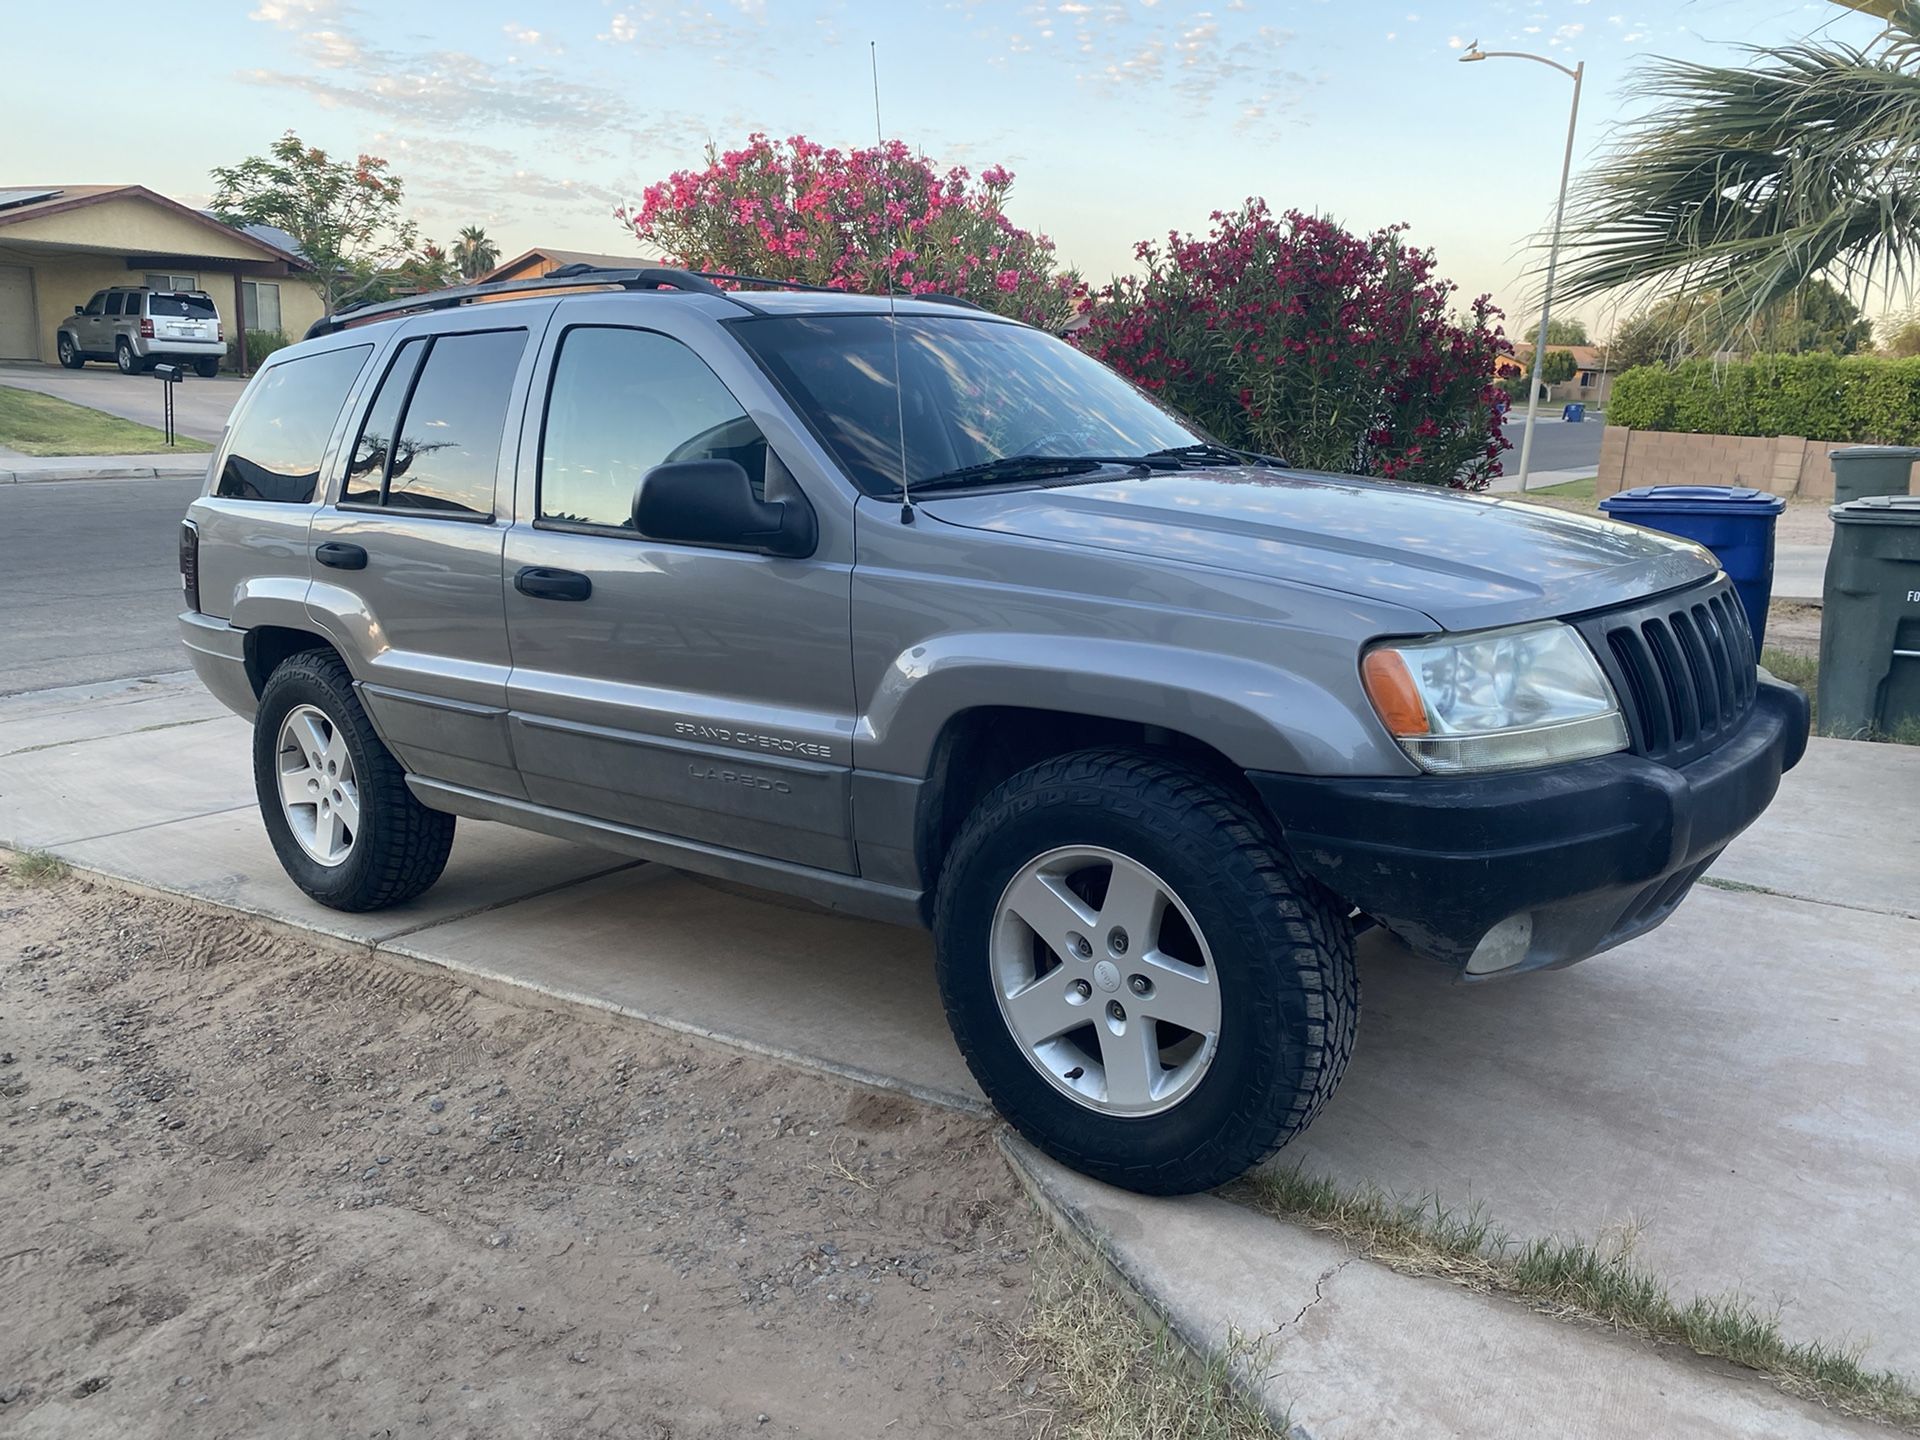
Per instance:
{"type": "Point", "coordinates": [1496, 700]}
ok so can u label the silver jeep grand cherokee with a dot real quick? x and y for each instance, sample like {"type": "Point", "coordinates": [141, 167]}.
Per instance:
{"type": "Point", "coordinates": [1144, 728]}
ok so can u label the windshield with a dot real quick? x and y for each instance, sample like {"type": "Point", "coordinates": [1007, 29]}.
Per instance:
{"type": "Point", "coordinates": [973, 391]}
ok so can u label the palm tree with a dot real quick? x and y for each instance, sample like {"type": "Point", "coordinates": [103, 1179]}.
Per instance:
{"type": "Point", "coordinates": [1741, 185]}
{"type": "Point", "coordinates": [474, 253]}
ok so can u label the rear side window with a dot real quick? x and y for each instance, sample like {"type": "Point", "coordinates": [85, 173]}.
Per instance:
{"type": "Point", "coordinates": [281, 435]}
{"type": "Point", "coordinates": [431, 439]}
{"type": "Point", "coordinates": [181, 307]}
{"type": "Point", "coordinates": [113, 305]}
{"type": "Point", "coordinates": [622, 402]}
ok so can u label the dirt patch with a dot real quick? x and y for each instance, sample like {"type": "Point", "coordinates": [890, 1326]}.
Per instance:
{"type": "Point", "coordinates": [251, 1187]}
{"type": "Point", "coordinates": [1794, 628]}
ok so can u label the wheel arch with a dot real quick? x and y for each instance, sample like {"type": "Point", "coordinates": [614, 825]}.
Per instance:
{"type": "Point", "coordinates": [268, 647]}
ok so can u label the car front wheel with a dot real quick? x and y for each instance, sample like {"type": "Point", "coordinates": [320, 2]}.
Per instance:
{"type": "Point", "coordinates": [70, 355]}
{"type": "Point", "coordinates": [1139, 977]}
{"type": "Point", "coordinates": [337, 809]}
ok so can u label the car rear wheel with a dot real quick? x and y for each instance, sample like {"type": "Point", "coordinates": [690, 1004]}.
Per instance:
{"type": "Point", "coordinates": [1137, 974]}
{"type": "Point", "coordinates": [69, 352]}
{"type": "Point", "coordinates": [335, 801]}
{"type": "Point", "coordinates": [207, 368]}
{"type": "Point", "coordinates": [124, 357]}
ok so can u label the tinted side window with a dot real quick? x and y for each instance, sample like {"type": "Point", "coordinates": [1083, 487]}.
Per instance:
{"type": "Point", "coordinates": [623, 401]}
{"type": "Point", "coordinates": [367, 469]}
{"type": "Point", "coordinates": [113, 305]}
{"type": "Point", "coordinates": [97, 305]}
{"type": "Point", "coordinates": [281, 434]}
{"type": "Point", "coordinates": [448, 440]}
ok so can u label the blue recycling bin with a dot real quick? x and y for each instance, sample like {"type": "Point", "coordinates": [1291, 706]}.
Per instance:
{"type": "Point", "coordinates": [1735, 522]}
{"type": "Point", "coordinates": [1574, 411]}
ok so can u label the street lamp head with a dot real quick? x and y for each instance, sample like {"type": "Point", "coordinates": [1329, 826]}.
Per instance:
{"type": "Point", "coordinates": [1474, 52]}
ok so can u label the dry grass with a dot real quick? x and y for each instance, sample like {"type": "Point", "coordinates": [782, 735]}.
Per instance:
{"type": "Point", "coordinates": [1122, 1377]}
{"type": "Point", "coordinates": [1600, 1282]}
{"type": "Point", "coordinates": [37, 867]}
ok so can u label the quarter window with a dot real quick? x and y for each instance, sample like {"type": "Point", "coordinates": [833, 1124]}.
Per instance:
{"type": "Point", "coordinates": [281, 434]}
{"type": "Point", "coordinates": [431, 439]}
{"type": "Point", "coordinates": [622, 402]}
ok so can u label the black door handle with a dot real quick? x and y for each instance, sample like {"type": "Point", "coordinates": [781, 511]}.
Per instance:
{"type": "Point", "coordinates": [340, 555]}
{"type": "Point", "coordinates": [543, 582]}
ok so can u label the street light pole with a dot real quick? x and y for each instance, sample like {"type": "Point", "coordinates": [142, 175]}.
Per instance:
{"type": "Point", "coordinates": [1576, 74]}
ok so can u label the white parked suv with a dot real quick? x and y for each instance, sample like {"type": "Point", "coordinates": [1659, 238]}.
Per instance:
{"type": "Point", "coordinates": [133, 327]}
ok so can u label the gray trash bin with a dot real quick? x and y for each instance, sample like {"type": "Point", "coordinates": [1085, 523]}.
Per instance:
{"type": "Point", "coordinates": [1870, 619]}
{"type": "Point", "coordinates": [1862, 470]}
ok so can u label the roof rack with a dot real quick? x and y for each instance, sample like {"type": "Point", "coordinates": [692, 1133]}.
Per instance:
{"type": "Point", "coordinates": [572, 277]}
{"type": "Point", "coordinates": [567, 277]}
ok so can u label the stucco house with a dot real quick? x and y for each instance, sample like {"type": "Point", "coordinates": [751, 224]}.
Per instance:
{"type": "Point", "coordinates": [543, 260]}
{"type": "Point", "coordinates": [60, 243]}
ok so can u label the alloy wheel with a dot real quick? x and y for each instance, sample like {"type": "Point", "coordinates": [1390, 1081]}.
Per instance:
{"type": "Point", "coordinates": [1105, 981]}
{"type": "Point", "coordinates": [319, 792]}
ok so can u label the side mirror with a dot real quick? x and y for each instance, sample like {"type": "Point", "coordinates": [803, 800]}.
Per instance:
{"type": "Point", "coordinates": [79, 309]}
{"type": "Point", "coordinates": [711, 502]}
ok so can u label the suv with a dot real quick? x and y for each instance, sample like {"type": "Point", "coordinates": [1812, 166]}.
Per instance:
{"type": "Point", "coordinates": [133, 327]}
{"type": "Point", "coordinates": [1143, 728]}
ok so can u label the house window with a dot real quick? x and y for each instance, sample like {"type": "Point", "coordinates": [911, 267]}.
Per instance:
{"type": "Point", "coordinates": [1586, 379]}
{"type": "Point", "coordinates": [263, 305]}
{"type": "Point", "coordinates": [173, 282]}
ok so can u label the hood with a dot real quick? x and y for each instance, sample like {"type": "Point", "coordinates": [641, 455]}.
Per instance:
{"type": "Point", "coordinates": [1466, 561]}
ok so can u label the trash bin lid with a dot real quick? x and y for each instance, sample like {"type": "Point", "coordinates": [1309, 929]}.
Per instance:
{"type": "Point", "coordinates": [1695, 499]}
{"type": "Point", "coordinates": [1879, 510]}
{"type": "Point", "coordinates": [1875, 452]}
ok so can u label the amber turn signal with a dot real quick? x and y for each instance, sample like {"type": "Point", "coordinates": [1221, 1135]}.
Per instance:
{"type": "Point", "coordinates": [1390, 686]}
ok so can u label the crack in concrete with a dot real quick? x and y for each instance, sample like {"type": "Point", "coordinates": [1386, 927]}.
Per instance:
{"type": "Point", "coordinates": [1319, 1293]}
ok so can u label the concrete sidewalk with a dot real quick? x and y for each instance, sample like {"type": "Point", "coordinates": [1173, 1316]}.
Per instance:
{"type": "Point", "coordinates": [1740, 1085]}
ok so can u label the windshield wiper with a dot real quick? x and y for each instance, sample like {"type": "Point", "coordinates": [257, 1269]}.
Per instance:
{"type": "Point", "coordinates": [1039, 467]}
{"type": "Point", "coordinates": [1210, 450]}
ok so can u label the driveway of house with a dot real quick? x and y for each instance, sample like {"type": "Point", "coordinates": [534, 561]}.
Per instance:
{"type": "Point", "coordinates": [200, 406]}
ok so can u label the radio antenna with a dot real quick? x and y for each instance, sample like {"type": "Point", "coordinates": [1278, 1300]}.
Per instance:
{"type": "Point", "coordinates": [893, 318]}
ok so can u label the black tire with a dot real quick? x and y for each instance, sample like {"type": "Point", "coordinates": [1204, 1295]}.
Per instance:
{"type": "Point", "coordinates": [1282, 951]}
{"type": "Point", "coordinates": [124, 357]}
{"type": "Point", "coordinates": [207, 368]}
{"type": "Point", "coordinates": [401, 846]}
{"type": "Point", "coordinates": [69, 352]}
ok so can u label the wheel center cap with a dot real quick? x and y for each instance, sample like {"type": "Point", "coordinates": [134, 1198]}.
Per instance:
{"type": "Point", "coordinates": [1107, 976]}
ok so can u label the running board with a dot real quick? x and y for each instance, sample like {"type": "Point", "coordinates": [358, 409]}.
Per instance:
{"type": "Point", "coordinates": [846, 893]}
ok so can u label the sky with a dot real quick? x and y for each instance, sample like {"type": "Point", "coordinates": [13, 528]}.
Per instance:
{"type": "Point", "coordinates": [1121, 119]}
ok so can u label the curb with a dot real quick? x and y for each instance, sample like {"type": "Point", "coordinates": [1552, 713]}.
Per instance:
{"type": "Point", "coordinates": [108, 472]}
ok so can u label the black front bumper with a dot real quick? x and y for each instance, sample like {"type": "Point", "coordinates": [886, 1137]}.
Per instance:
{"type": "Point", "coordinates": [1593, 853]}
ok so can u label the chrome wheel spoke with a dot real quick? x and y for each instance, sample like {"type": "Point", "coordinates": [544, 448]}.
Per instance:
{"type": "Point", "coordinates": [1042, 1009]}
{"type": "Point", "coordinates": [1182, 995]}
{"type": "Point", "coordinates": [1131, 1062]}
{"type": "Point", "coordinates": [1049, 909]}
{"type": "Point", "coordinates": [300, 787]}
{"type": "Point", "coordinates": [1135, 905]}
{"type": "Point", "coordinates": [346, 806]}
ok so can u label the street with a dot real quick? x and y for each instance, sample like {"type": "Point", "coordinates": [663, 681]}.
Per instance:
{"type": "Point", "coordinates": [89, 580]}
{"type": "Point", "coordinates": [1556, 444]}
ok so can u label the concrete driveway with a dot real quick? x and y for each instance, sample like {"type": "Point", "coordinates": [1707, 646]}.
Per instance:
{"type": "Point", "coordinates": [200, 406]}
{"type": "Point", "coordinates": [1738, 1087]}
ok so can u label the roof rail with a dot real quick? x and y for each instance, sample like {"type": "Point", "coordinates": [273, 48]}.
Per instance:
{"type": "Point", "coordinates": [566, 277]}
{"type": "Point", "coordinates": [933, 295]}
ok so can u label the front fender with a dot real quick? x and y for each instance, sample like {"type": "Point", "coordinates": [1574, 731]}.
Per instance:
{"type": "Point", "coordinates": [1260, 716]}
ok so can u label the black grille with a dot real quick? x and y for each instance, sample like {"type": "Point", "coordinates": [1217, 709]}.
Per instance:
{"type": "Point", "coordinates": [1683, 666]}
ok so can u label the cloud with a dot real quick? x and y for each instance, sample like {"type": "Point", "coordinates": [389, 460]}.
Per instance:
{"type": "Point", "coordinates": [292, 14]}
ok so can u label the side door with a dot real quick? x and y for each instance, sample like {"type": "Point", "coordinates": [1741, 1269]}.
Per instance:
{"type": "Point", "coordinates": [407, 550]}
{"type": "Point", "coordinates": [90, 325]}
{"type": "Point", "coordinates": [690, 691]}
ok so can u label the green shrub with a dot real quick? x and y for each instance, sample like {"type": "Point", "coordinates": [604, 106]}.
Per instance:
{"type": "Point", "coordinates": [1863, 398]}
{"type": "Point", "coordinates": [262, 343]}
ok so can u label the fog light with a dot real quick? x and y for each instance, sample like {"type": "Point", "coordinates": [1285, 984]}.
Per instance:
{"type": "Point", "coordinates": [1504, 946]}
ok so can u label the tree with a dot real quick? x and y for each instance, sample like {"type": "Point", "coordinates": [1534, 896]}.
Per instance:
{"type": "Point", "coordinates": [1292, 336]}
{"type": "Point", "coordinates": [1682, 327]}
{"type": "Point", "coordinates": [1747, 183]}
{"type": "Point", "coordinates": [1562, 330]}
{"type": "Point", "coordinates": [345, 217]}
{"type": "Point", "coordinates": [1664, 332]}
{"type": "Point", "coordinates": [1814, 317]}
{"type": "Point", "coordinates": [1904, 342]}
{"type": "Point", "coordinates": [866, 220]}
{"type": "Point", "coordinates": [474, 254]}
{"type": "Point", "coordinates": [1557, 367]}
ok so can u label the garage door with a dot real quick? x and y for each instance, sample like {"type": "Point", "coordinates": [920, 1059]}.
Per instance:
{"type": "Point", "coordinates": [17, 340]}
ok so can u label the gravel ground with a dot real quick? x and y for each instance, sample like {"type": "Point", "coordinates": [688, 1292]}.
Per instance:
{"type": "Point", "coordinates": [251, 1187]}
